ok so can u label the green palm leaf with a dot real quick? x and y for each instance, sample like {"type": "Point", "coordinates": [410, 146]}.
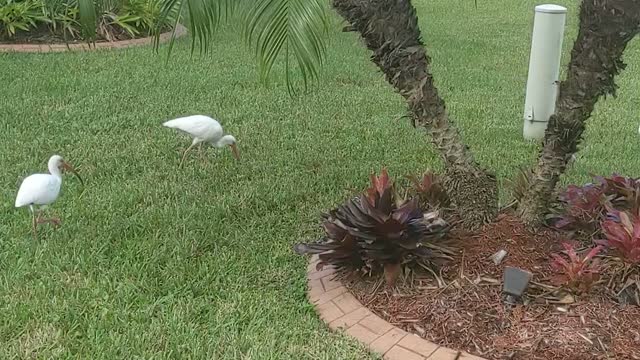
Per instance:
{"type": "Point", "coordinates": [87, 15]}
{"type": "Point", "coordinates": [293, 29]}
{"type": "Point", "coordinates": [297, 26]}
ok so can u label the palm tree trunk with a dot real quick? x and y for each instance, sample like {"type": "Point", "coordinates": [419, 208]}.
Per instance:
{"type": "Point", "coordinates": [606, 26]}
{"type": "Point", "coordinates": [390, 30]}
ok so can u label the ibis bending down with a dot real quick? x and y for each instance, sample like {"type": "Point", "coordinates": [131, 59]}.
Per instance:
{"type": "Point", "coordinates": [203, 129]}
{"type": "Point", "coordinates": [43, 189]}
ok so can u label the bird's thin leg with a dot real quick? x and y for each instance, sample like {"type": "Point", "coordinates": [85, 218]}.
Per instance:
{"type": "Point", "coordinates": [185, 152]}
{"type": "Point", "coordinates": [39, 218]}
{"type": "Point", "coordinates": [55, 221]}
{"type": "Point", "coordinates": [34, 222]}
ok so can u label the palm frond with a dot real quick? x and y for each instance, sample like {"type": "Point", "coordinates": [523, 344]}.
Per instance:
{"type": "Point", "coordinates": [292, 30]}
{"type": "Point", "coordinates": [87, 16]}
{"type": "Point", "coordinates": [202, 17]}
{"type": "Point", "coordinates": [296, 27]}
{"type": "Point", "coordinates": [170, 9]}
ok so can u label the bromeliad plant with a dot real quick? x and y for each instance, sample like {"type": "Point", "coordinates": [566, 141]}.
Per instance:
{"type": "Point", "coordinates": [622, 233]}
{"type": "Point", "coordinates": [623, 193]}
{"type": "Point", "coordinates": [585, 207]}
{"type": "Point", "coordinates": [608, 212]}
{"type": "Point", "coordinates": [377, 230]}
{"type": "Point", "coordinates": [578, 274]}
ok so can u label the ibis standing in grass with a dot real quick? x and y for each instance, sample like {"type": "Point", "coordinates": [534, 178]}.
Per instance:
{"type": "Point", "coordinates": [203, 129]}
{"type": "Point", "coordinates": [40, 190]}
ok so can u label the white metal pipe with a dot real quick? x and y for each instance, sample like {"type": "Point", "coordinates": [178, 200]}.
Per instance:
{"type": "Point", "coordinates": [544, 69]}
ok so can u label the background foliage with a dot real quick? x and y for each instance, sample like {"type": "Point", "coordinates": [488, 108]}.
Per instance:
{"type": "Point", "coordinates": [112, 19]}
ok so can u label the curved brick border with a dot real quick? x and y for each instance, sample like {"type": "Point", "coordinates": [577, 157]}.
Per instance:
{"type": "Point", "coordinates": [45, 48]}
{"type": "Point", "coordinates": [341, 310]}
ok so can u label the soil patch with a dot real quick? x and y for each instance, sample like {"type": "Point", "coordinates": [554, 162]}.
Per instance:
{"type": "Point", "coordinates": [468, 312]}
{"type": "Point", "coordinates": [44, 35]}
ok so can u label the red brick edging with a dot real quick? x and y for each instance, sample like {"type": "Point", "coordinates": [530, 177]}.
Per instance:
{"type": "Point", "coordinates": [341, 310]}
{"type": "Point", "coordinates": [45, 48]}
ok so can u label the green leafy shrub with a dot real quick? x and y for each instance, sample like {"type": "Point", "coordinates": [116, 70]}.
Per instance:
{"type": "Point", "coordinates": [63, 17]}
{"type": "Point", "coordinates": [20, 15]}
{"type": "Point", "coordinates": [147, 12]}
{"type": "Point", "coordinates": [115, 19]}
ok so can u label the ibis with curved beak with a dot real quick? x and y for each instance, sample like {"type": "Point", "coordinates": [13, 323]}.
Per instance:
{"type": "Point", "coordinates": [203, 129]}
{"type": "Point", "coordinates": [40, 190]}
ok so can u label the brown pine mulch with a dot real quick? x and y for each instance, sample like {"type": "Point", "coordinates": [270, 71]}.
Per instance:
{"type": "Point", "coordinates": [469, 312]}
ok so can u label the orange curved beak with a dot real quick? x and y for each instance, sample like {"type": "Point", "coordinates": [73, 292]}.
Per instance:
{"type": "Point", "coordinates": [68, 167]}
{"type": "Point", "coordinates": [234, 150]}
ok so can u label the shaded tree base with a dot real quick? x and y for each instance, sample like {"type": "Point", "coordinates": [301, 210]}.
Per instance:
{"type": "Point", "coordinates": [474, 195]}
{"type": "Point", "coordinates": [390, 30]}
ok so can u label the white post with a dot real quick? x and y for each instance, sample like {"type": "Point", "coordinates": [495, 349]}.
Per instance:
{"type": "Point", "coordinates": [544, 69]}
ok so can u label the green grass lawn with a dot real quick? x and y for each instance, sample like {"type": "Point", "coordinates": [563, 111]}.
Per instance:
{"type": "Point", "coordinates": [156, 262]}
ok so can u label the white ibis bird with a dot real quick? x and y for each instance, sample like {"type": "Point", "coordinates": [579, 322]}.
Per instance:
{"type": "Point", "coordinates": [43, 189]}
{"type": "Point", "coordinates": [203, 129]}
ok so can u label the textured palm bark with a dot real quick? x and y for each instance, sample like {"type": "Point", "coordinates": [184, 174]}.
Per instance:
{"type": "Point", "coordinates": [390, 30]}
{"type": "Point", "coordinates": [606, 27]}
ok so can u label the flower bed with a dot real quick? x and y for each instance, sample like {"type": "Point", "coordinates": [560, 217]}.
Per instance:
{"type": "Point", "coordinates": [340, 310]}
{"type": "Point", "coordinates": [420, 274]}
{"type": "Point", "coordinates": [53, 25]}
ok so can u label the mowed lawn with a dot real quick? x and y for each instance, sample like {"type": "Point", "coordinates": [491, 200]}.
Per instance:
{"type": "Point", "coordinates": [156, 262]}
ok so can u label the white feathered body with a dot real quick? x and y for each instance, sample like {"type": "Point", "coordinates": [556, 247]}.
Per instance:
{"type": "Point", "coordinates": [200, 127]}
{"type": "Point", "coordinates": [38, 189]}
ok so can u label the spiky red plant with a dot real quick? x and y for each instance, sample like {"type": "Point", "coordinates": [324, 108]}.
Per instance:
{"type": "Point", "coordinates": [576, 273]}
{"type": "Point", "coordinates": [376, 231]}
{"type": "Point", "coordinates": [584, 208]}
{"type": "Point", "coordinates": [622, 233]}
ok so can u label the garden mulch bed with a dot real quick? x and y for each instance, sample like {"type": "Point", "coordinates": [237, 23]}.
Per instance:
{"type": "Point", "coordinates": [469, 312]}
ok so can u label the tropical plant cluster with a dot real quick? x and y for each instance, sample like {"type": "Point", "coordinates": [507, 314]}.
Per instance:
{"type": "Point", "coordinates": [108, 19]}
{"type": "Point", "coordinates": [603, 216]}
{"type": "Point", "coordinates": [382, 231]}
